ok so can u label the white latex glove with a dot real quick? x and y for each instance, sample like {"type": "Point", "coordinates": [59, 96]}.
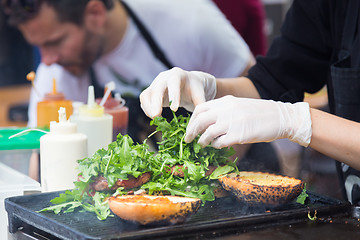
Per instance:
{"type": "Point", "coordinates": [230, 120]}
{"type": "Point", "coordinates": [181, 88]}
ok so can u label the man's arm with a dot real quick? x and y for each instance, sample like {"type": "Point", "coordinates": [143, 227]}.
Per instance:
{"type": "Point", "coordinates": [238, 87]}
{"type": "Point", "coordinates": [336, 137]}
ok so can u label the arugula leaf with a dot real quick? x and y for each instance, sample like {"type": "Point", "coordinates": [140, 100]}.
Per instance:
{"type": "Point", "coordinates": [221, 171]}
{"type": "Point", "coordinates": [70, 206]}
{"type": "Point", "coordinates": [302, 197]}
{"type": "Point", "coordinates": [100, 207]}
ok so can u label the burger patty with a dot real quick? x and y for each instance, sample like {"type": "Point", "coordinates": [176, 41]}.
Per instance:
{"type": "Point", "coordinates": [101, 183]}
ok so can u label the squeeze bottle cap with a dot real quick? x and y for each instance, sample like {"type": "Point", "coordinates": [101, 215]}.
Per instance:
{"type": "Point", "coordinates": [91, 109]}
{"type": "Point", "coordinates": [63, 126]}
{"type": "Point", "coordinates": [54, 95]}
{"type": "Point", "coordinates": [109, 87]}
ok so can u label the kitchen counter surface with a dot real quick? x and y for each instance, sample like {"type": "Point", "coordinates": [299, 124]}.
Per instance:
{"type": "Point", "coordinates": [340, 228]}
{"type": "Point", "coordinates": [223, 219]}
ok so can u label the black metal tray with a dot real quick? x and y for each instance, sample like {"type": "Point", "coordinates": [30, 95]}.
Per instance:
{"type": "Point", "coordinates": [224, 213]}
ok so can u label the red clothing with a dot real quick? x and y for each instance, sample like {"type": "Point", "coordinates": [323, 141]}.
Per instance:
{"type": "Point", "coordinates": [248, 18]}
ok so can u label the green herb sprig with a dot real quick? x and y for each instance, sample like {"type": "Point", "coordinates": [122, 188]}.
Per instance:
{"type": "Point", "coordinates": [303, 196]}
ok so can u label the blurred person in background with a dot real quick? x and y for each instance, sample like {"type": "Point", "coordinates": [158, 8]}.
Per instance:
{"type": "Point", "coordinates": [248, 18]}
{"type": "Point", "coordinates": [319, 45]}
{"type": "Point", "coordinates": [129, 42]}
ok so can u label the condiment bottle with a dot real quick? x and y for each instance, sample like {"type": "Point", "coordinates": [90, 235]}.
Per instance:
{"type": "Point", "coordinates": [59, 151]}
{"type": "Point", "coordinates": [47, 110]}
{"type": "Point", "coordinates": [94, 123]}
{"type": "Point", "coordinates": [115, 106]}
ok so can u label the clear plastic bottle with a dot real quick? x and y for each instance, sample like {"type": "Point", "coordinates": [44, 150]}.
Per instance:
{"type": "Point", "coordinates": [94, 123]}
{"type": "Point", "coordinates": [47, 110]}
{"type": "Point", "coordinates": [59, 151]}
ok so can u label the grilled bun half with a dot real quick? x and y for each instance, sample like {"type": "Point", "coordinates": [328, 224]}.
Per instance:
{"type": "Point", "coordinates": [262, 188]}
{"type": "Point", "coordinates": [148, 209]}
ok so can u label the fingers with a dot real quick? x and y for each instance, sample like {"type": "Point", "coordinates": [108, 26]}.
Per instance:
{"type": "Point", "coordinates": [198, 98]}
{"type": "Point", "coordinates": [175, 81]}
{"type": "Point", "coordinates": [196, 89]}
{"type": "Point", "coordinates": [192, 129]}
{"type": "Point", "coordinates": [216, 122]}
{"type": "Point", "coordinates": [204, 121]}
{"type": "Point", "coordinates": [212, 134]}
{"type": "Point", "coordinates": [221, 141]}
{"type": "Point", "coordinates": [147, 106]}
{"type": "Point", "coordinates": [178, 87]}
{"type": "Point", "coordinates": [195, 96]}
{"type": "Point", "coordinates": [165, 88]}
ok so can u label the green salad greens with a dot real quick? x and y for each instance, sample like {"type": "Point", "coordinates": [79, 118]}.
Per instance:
{"type": "Point", "coordinates": [303, 196]}
{"type": "Point", "coordinates": [124, 158]}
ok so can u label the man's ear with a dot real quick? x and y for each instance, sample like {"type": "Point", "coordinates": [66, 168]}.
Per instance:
{"type": "Point", "coordinates": [95, 15]}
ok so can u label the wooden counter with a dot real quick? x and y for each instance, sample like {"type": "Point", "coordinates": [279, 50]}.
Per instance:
{"type": "Point", "coordinates": [11, 96]}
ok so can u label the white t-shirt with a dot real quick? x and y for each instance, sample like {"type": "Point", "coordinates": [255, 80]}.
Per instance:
{"type": "Point", "coordinates": [193, 34]}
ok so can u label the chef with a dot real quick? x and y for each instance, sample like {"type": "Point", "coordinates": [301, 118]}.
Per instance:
{"type": "Point", "coordinates": [319, 45]}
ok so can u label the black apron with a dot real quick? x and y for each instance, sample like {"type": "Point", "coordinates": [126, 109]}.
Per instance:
{"type": "Point", "coordinates": [138, 126]}
{"type": "Point", "coordinates": [345, 79]}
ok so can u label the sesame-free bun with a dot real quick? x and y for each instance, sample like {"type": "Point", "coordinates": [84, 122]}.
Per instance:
{"type": "Point", "coordinates": [148, 209]}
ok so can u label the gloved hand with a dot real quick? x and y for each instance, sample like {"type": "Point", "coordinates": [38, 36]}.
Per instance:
{"type": "Point", "coordinates": [181, 88]}
{"type": "Point", "coordinates": [230, 120]}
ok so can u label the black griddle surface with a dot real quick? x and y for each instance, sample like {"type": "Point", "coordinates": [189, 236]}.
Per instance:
{"type": "Point", "coordinates": [220, 214]}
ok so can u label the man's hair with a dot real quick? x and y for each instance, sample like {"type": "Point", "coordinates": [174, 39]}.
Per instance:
{"type": "Point", "coordinates": [21, 11]}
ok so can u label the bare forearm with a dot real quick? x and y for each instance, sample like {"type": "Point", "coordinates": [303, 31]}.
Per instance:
{"type": "Point", "coordinates": [336, 137]}
{"type": "Point", "coordinates": [238, 87]}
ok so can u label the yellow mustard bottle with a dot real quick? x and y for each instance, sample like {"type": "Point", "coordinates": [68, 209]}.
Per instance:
{"type": "Point", "coordinates": [92, 121]}
{"type": "Point", "coordinates": [47, 110]}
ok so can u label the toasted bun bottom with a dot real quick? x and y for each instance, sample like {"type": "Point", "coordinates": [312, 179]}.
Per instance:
{"type": "Point", "coordinates": [262, 188]}
{"type": "Point", "coordinates": [146, 209]}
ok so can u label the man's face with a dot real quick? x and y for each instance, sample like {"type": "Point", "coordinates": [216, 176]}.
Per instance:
{"type": "Point", "coordinates": [67, 44]}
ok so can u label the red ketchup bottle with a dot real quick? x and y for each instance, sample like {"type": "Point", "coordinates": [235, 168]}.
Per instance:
{"type": "Point", "coordinates": [115, 106]}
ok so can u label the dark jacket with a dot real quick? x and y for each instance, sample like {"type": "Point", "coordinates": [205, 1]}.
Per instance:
{"type": "Point", "coordinates": [307, 56]}
{"type": "Point", "coordinates": [299, 60]}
